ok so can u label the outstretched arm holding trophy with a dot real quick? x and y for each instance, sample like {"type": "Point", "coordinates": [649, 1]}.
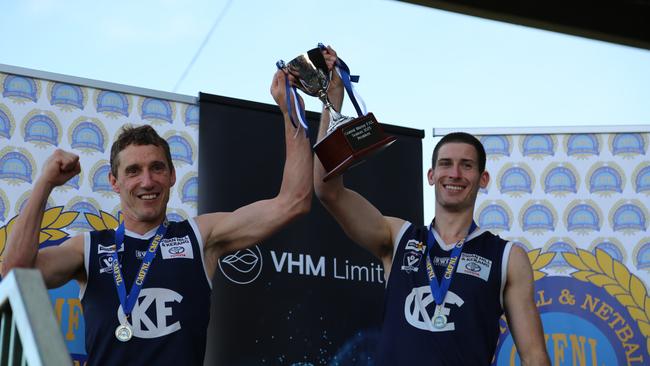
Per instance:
{"type": "Point", "coordinates": [435, 309]}
{"type": "Point", "coordinates": [112, 266]}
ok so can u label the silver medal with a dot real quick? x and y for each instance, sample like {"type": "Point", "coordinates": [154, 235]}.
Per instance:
{"type": "Point", "coordinates": [123, 333]}
{"type": "Point", "coordinates": [439, 321]}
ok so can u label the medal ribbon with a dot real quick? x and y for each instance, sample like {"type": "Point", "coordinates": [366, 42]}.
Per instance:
{"type": "Point", "coordinates": [128, 302]}
{"type": "Point", "coordinates": [439, 290]}
{"type": "Point", "coordinates": [344, 73]}
{"type": "Point", "coordinates": [291, 91]}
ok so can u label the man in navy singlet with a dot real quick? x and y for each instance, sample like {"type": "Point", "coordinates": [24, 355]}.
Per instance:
{"type": "Point", "coordinates": [448, 283]}
{"type": "Point", "coordinates": [145, 286]}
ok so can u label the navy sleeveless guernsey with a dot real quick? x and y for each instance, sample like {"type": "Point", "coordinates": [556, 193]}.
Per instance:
{"type": "Point", "coordinates": [171, 315]}
{"type": "Point", "coordinates": [473, 304]}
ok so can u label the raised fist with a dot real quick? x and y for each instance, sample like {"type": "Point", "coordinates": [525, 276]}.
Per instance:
{"type": "Point", "coordinates": [60, 167]}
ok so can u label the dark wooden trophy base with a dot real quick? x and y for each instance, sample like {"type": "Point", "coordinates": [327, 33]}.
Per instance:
{"type": "Point", "coordinates": [350, 144]}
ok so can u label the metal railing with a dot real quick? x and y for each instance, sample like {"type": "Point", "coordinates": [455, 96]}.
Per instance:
{"type": "Point", "coordinates": [29, 332]}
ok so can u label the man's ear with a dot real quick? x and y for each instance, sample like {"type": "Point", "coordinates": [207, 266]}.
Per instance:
{"type": "Point", "coordinates": [430, 177]}
{"type": "Point", "coordinates": [113, 181]}
{"type": "Point", "coordinates": [485, 179]}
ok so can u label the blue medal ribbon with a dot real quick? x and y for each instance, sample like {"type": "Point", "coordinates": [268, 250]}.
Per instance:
{"type": "Point", "coordinates": [439, 290]}
{"type": "Point", "coordinates": [128, 302]}
{"type": "Point", "coordinates": [344, 72]}
{"type": "Point", "coordinates": [289, 91]}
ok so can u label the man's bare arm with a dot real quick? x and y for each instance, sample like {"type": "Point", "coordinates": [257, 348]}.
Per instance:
{"type": "Point", "coordinates": [58, 264]}
{"type": "Point", "coordinates": [521, 312]}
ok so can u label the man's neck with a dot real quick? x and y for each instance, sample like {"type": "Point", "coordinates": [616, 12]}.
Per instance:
{"type": "Point", "coordinates": [453, 227]}
{"type": "Point", "coordinates": [140, 227]}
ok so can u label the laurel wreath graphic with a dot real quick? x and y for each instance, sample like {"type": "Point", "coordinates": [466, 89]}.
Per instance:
{"type": "Point", "coordinates": [104, 220]}
{"type": "Point", "coordinates": [54, 219]}
{"type": "Point", "coordinates": [613, 276]}
{"type": "Point", "coordinates": [539, 261]}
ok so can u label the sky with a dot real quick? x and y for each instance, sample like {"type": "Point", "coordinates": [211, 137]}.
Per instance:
{"type": "Point", "coordinates": [421, 68]}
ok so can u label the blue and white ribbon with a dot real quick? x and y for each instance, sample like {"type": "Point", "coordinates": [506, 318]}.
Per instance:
{"type": "Point", "coordinates": [343, 71]}
{"type": "Point", "coordinates": [292, 92]}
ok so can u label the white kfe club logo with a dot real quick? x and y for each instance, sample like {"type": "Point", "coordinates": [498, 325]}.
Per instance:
{"type": "Point", "coordinates": [144, 327]}
{"type": "Point", "coordinates": [416, 313]}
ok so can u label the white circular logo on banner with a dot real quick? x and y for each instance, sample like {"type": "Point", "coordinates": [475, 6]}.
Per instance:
{"type": "Point", "coordinates": [243, 266]}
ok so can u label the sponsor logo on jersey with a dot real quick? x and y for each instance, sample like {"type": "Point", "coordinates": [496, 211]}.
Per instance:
{"type": "Point", "coordinates": [173, 248]}
{"type": "Point", "coordinates": [101, 249]}
{"type": "Point", "coordinates": [414, 245]}
{"type": "Point", "coordinates": [411, 261]}
{"type": "Point", "coordinates": [413, 252]}
{"type": "Point", "coordinates": [474, 265]}
{"type": "Point", "coordinates": [440, 261]}
{"type": "Point", "coordinates": [106, 263]}
{"type": "Point", "coordinates": [139, 254]}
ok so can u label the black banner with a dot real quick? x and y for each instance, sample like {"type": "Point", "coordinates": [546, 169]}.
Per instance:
{"type": "Point", "coordinates": [307, 295]}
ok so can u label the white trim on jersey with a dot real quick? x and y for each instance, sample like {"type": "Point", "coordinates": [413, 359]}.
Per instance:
{"type": "Point", "coordinates": [199, 240]}
{"type": "Point", "coordinates": [448, 247]}
{"type": "Point", "coordinates": [82, 287]}
{"type": "Point", "coordinates": [504, 269]}
{"type": "Point", "coordinates": [396, 241]}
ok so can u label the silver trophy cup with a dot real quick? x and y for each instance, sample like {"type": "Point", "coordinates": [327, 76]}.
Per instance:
{"type": "Point", "coordinates": [311, 71]}
{"type": "Point", "coordinates": [349, 141]}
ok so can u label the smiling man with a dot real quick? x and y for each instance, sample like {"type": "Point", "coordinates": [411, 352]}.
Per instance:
{"type": "Point", "coordinates": [145, 287]}
{"type": "Point", "coordinates": [448, 283]}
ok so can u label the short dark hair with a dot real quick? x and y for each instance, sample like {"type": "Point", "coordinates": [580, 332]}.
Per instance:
{"type": "Point", "coordinates": [141, 135]}
{"type": "Point", "coordinates": [465, 138]}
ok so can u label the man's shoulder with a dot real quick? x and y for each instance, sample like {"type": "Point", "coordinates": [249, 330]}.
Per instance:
{"type": "Point", "coordinates": [488, 235]}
